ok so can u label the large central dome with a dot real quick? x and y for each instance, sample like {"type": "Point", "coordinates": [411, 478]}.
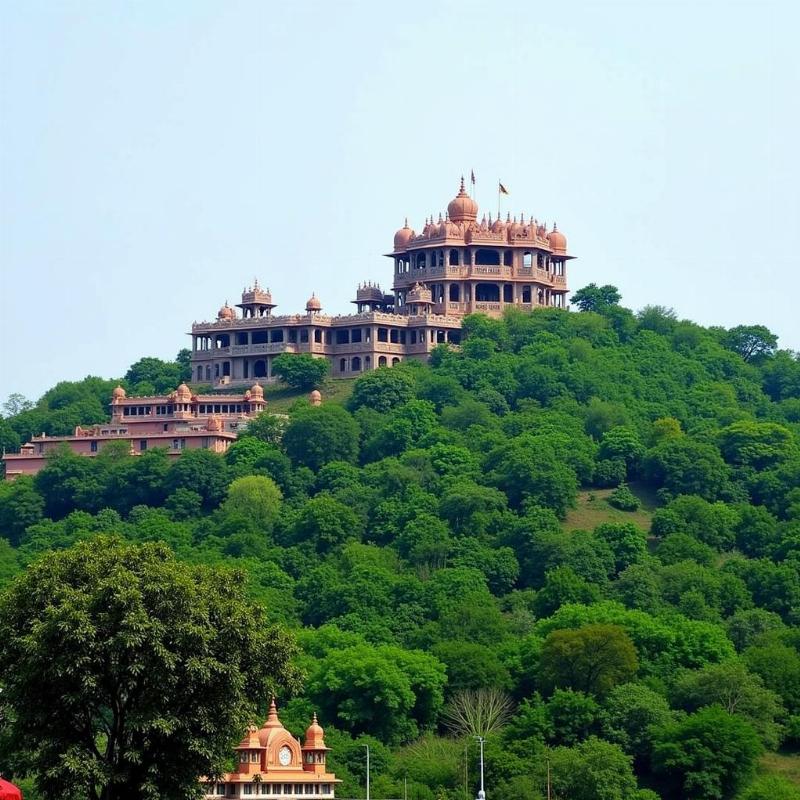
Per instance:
{"type": "Point", "coordinates": [462, 208]}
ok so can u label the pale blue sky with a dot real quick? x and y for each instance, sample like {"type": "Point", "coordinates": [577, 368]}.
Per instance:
{"type": "Point", "coordinates": [156, 156]}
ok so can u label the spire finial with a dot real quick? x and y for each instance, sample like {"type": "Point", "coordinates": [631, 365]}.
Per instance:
{"type": "Point", "coordinates": [462, 190]}
{"type": "Point", "coordinates": [406, 225]}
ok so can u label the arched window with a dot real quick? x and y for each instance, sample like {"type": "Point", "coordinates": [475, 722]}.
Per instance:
{"type": "Point", "coordinates": [260, 369]}
{"type": "Point", "coordinates": [200, 373]}
{"type": "Point", "coordinates": [487, 293]}
{"type": "Point", "coordinates": [487, 258]}
{"type": "Point", "coordinates": [342, 365]}
{"type": "Point", "coordinates": [208, 373]}
{"type": "Point", "coordinates": [526, 294]}
{"type": "Point", "coordinates": [367, 362]}
{"type": "Point", "coordinates": [453, 258]}
{"type": "Point", "coordinates": [395, 361]}
{"type": "Point", "coordinates": [381, 361]}
{"type": "Point", "coordinates": [455, 292]}
{"type": "Point", "coordinates": [527, 259]}
{"type": "Point", "coordinates": [355, 364]}
{"type": "Point", "coordinates": [421, 261]}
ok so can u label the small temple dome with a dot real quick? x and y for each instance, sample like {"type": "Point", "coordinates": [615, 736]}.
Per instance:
{"type": "Point", "coordinates": [313, 304]}
{"type": "Point", "coordinates": [118, 393]}
{"type": "Point", "coordinates": [315, 398]}
{"type": "Point", "coordinates": [462, 208]}
{"type": "Point", "coordinates": [226, 312]}
{"type": "Point", "coordinates": [256, 392]}
{"type": "Point", "coordinates": [183, 392]}
{"type": "Point", "coordinates": [557, 239]}
{"type": "Point", "coordinates": [403, 237]}
{"type": "Point", "coordinates": [315, 736]}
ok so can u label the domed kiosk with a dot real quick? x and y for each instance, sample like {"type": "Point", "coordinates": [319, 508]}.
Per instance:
{"type": "Point", "coordinates": [271, 761]}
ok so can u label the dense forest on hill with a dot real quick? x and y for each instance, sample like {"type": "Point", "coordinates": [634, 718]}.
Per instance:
{"type": "Point", "coordinates": [418, 538]}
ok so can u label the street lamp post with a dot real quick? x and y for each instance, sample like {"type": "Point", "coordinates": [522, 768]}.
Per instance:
{"type": "Point", "coordinates": [481, 793]}
{"type": "Point", "coordinates": [367, 746]}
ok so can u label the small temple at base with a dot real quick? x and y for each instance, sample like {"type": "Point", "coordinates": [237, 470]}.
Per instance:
{"type": "Point", "coordinates": [270, 762]}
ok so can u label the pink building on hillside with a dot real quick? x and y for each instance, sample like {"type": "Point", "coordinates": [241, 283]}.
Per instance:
{"type": "Point", "coordinates": [178, 421]}
{"type": "Point", "coordinates": [455, 266]}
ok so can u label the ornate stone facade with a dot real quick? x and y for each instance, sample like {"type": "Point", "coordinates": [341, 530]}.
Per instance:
{"type": "Point", "coordinates": [270, 762]}
{"type": "Point", "coordinates": [453, 267]}
{"type": "Point", "coordinates": [177, 421]}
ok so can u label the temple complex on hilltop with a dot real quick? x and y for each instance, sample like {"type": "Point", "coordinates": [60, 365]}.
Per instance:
{"type": "Point", "coordinates": [453, 267]}
{"type": "Point", "coordinates": [178, 421]}
{"type": "Point", "coordinates": [270, 762]}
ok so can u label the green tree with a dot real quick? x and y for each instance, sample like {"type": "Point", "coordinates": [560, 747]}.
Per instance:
{"type": "Point", "coordinates": [317, 435]}
{"type": "Point", "coordinates": [20, 506]}
{"type": "Point", "coordinates": [631, 709]}
{"type": "Point", "coordinates": [128, 674]}
{"type": "Point", "coordinates": [738, 691]}
{"type": "Point", "coordinates": [750, 341]}
{"type": "Point", "coordinates": [707, 755]}
{"type": "Point", "coordinates": [759, 445]}
{"type": "Point", "coordinates": [591, 659]}
{"type": "Point", "coordinates": [301, 370]}
{"type": "Point", "coordinates": [684, 466]}
{"type": "Point", "coordinates": [595, 298]}
{"type": "Point", "coordinates": [471, 666]}
{"type": "Point", "coordinates": [573, 716]}
{"type": "Point", "coordinates": [327, 523]}
{"type": "Point", "coordinates": [162, 376]}
{"type": "Point", "coordinates": [386, 690]}
{"type": "Point", "coordinates": [200, 471]}
{"type": "Point", "coordinates": [382, 389]}
{"type": "Point", "coordinates": [592, 770]}
{"type": "Point", "coordinates": [778, 666]}
{"type": "Point", "coordinates": [563, 585]}
{"type": "Point", "coordinates": [266, 427]}
{"type": "Point", "coordinates": [255, 498]}
{"type": "Point", "coordinates": [627, 542]}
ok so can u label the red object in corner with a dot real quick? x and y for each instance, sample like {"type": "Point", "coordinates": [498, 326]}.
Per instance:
{"type": "Point", "coordinates": [8, 791]}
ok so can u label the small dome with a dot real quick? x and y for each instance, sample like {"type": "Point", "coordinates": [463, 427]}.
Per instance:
{"type": "Point", "coordinates": [256, 392]}
{"type": "Point", "coordinates": [403, 237]}
{"type": "Point", "coordinates": [313, 304]}
{"type": "Point", "coordinates": [315, 398]}
{"type": "Point", "coordinates": [183, 392]}
{"type": "Point", "coordinates": [462, 208]}
{"type": "Point", "coordinates": [118, 393]}
{"type": "Point", "coordinates": [226, 312]}
{"type": "Point", "coordinates": [557, 240]}
{"type": "Point", "coordinates": [315, 735]}
{"type": "Point", "coordinates": [498, 226]}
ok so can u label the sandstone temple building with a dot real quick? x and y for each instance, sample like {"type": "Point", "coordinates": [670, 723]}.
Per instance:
{"type": "Point", "coordinates": [455, 266]}
{"type": "Point", "coordinates": [181, 420]}
{"type": "Point", "coordinates": [270, 762]}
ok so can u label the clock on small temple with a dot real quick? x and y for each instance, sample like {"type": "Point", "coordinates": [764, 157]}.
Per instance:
{"type": "Point", "coordinates": [285, 756]}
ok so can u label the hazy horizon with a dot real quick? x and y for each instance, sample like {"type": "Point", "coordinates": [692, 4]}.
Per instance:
{"type": "Point", "coordinates": [155, 158]}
